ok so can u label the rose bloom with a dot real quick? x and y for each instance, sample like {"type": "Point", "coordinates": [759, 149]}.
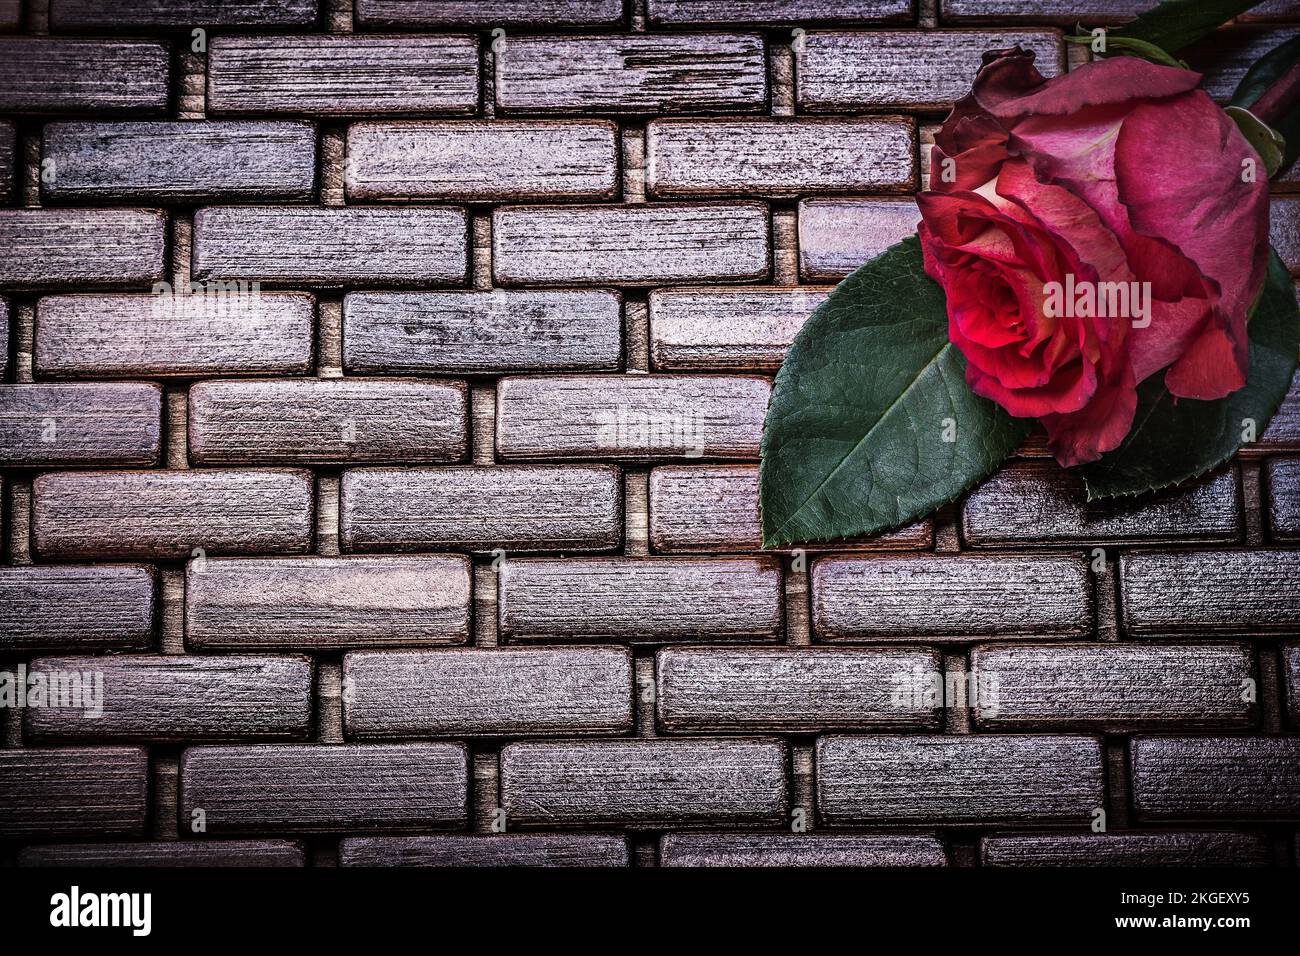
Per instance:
{"type": "Point", "coordinates": [1119, 172]}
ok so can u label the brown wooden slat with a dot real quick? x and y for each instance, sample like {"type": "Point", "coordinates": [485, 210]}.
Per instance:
{"type": "Point", "coordinates": [799, 849]}
{"type": "Point", "coordinates": [49, 248]}
{"type": "Point", "coordinates": [52, 607]}
{"type": "Point", "coordinates": [1126, 849]}
{"type": "Point", "coordinates": [1215, 777]}
{"type": "Point", "coordinates": [498, 849]}
{"type": "Point", "coordinates": [73, 791]}
{"type": "Point", "coordinates": [67, 75]}
{"type": "Point", "coordinates": [318, 602]}
{"type": "Point", "coordinates": [1210, 592]}
{"type": "Point", "coordinates": [727, 329]}
{"type": "Point", "coordinates": [70, 426]}
{"type": "Point", "coordinates": [168, 853]}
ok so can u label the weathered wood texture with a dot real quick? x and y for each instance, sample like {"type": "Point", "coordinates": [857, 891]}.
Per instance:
{"type": "Point", "coordinates": [1283, 478]}
{"type": "Point", "coordinates": [1126, 849]}
{"type": "Point", "coordinates": [727, 329]}
{"type": "Point", "coordinates": [173, 698]}
{"type": "Point", "coordinates": [1116, 687]}
{"type": "Point", "coordinates": [631, 417]}
{"type": "Point", "coordinates": [779, 12]}
{"type": "Point", "coordinates": [644, 782]}
{"type": "Point", "coordinates": [715, 508]}
{"type": "Point", "coordinates": [640, 599]}
{"type": "Point", "coordinates": [880, 70]}
{"type": "Point", "coordinates": [169, 854]}
{"type": "Point", "coordinates": [306, 788]}
{"type": "Point", "coordinates": [799, 849]}
{"type": "Point", "coordinates": [174, 336]}
{"type": "Point", "coordinates": [779, 158]}
{"type": "Point", "coordinates": [477, 333]}
{"type": "Point", "coordinates": [8, 153]}
{"type": "Point", "coordinates": [482, 161]}
{"type": "Point", "coordinates": [1199, 593]}
{"type": "Point", "coordinates": [332, 247]}
{"type": "Point", "coordinates": [114, 14]}
{"type": "Point", "coordinates": [327, 421]}
{"type": "Point", "coordinates": [66, 75]}
{"type": "Point", "coordinates": [77, 425]}
{"type": "Point", "coordinates": [794, 690]}
{"type": "Point", "coordinates": [170, 514]}
{"type": "Point", "coordinates": [1216, 777]}
{"type": "Point", "coordinates": [488, 13]}
{"type": "Point", "coordinates": [177, 162]}
{"type": "Point", "coordinates": [53, 607]}
{"type": "Point", "coordinates": [340, 75]}
{"type": "Point", "coordinates": [632, 74]}
{"type": "Point", "coordinates": [1038, 503]}
{"type": "Point", "coordinates": [950, 597]}
{"type": "Point", "coordinates": [632, 245]}
{"type": "Point", "coordinates": [836, 236]}
{"type": "Point", "coordinates": [318, 602]}
{"type": "Point", "coordinates": [51, 248]}
{"type": "Point", "coordinates": [512, 508]}
{"type": "Point", "coordinates": [959, 779]}
{"type": "Point", "coordinates": [73, 792]}
{"type": "Point", "coordinates": [502, 849]}
{"type": "Point", "coordinates": [488, 692]}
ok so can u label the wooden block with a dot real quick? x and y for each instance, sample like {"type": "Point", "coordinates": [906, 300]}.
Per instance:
{"type": "Point", "coordinates": [1216, 777]}
{"type": "Point", "coordinates": [780, 157]}
{"type": "Point", "coordinates": [1061, 13]}
{"type": "Point", "coordinates": [1284, 219]}
{"type": "Point", "coordinates": [482, 160]}
{"type": "Point", "coordinates": [160, 698]}
{"type": "Point", "coordinates": [715, 508]}
{"type": "Point", "coordinates": [959, 779]}
{"type": "Point", "coordinates": [727, 329]}
{"type": "Point", "coordinates": [847, 72]}
{"type": "Point", "coordinates": [1283, 429]}
{"type": "Point", "coordinates": [48, 607]}
{"type": "Point", "coordinates": [332, 247]}
{"type": "Point", "coordinates": [64, 75]}
{"type": "Point", "coordinates": [8, 166]}
{"type": "Point", "coordinates": [343, 74]}
{"type": "Point", "coordinates": [45, 248]}
{"type": "Point", "coordinates": [799, 849]}
{"type": "Point", "coordinates": [498, 849]}
{"type": "Point", "coordinates": [78, 425]}
{"type": "Point", "coordinates": [175, 14]}
{"type": "Point", "coordinates": [479, 333]}
{"type": "Point", "coordinates": [950, 597]}
{"type": "Point", "coordinates": [1126, 849]}
{"type": "Point", "coordinates": [633, 74]}
{"type": "Point", "coordinates": [631, 417]}
{"type": "Point", "coordinates": [174, 336]}
{"type": "Point", "coordinates": [488, 13]}
{"type": "Point", "coordinates": [1291, 676]}
{"type": "Point", "coordinates": [315, 421]}
{"type": "Point", "coordinates": [168, 853]}
{"type": "Point", "coordinates": [315, 788]}
{"type": "Point", "coordinates": [170, 514]}
{"type": "Point", "coordinates": [317, 602]}
{"type": "Point", "coordinates": [1041, 504]}
{"type": "Point", "coordinates": [1115, 688]}
{"type": "Point", "coordinates": [513, 508]}
{"type": "Point", "coordinates": [640, 599]}
{"type": "Point", "coordinates": [659, 783]}
{"type": "Point", "coordinates": [1210, 592]}
{"type": "Point", "coordinates": [488, 692]}
{"type": "Point", "coordinates": [779, 12]}
{"type": "Point", "coordinates": [795, 689]}
{"type": "Point", "coordinates": [4, 337]}
{"type": "Point", "coordinates": [179, 161]}
{"type": "Point", "coordinates": [1283, 482]}
{"type": "Point", "coordinates": [634, 245]}
{"type": "Point", "coordinates": [836, 236]}
{"type": "Point", "coordinates": [73, 791]}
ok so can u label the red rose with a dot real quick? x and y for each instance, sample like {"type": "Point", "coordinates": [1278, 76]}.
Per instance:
{"type": "Point", "coordinates": [1089, 231]}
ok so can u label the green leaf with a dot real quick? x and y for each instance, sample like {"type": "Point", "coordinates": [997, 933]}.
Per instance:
{"type": "Point", "coordinates": [1133, 47]}
{"type": "Point", "coordinates": [1267, 70]}
{"type": "Point", "coordinates": [854, 439]}
{"type": "Point", "coordinates": [1263, 138]}
{"type": "Point", "coordinates": [1175, 440]}
{"type": "Point", "coordinates": [1175, 24]}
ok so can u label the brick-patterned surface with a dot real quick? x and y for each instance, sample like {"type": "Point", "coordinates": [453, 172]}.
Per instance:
{"type": "Point", "coordinates": [424, 530]}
